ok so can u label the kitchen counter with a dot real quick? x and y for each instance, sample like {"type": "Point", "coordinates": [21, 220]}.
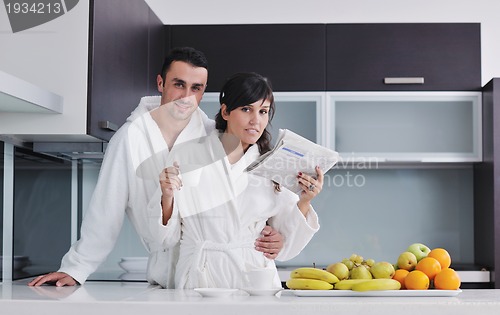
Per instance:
{"type": "Point", "coordinates": [136, 297]}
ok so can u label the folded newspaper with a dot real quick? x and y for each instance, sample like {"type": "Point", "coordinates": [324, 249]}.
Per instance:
{"type": "Point", "coordinates": [293, 154]}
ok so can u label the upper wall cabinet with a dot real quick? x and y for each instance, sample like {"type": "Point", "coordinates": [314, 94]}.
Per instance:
{"type": "Point", "coordinates": [101, 58]}
{"type": "Point", "coordinates": [292, 56]}
{"type": "Point", "coordinates": [405, 127]}
{"type": "Point", "coordinates": [298, 112]}
{"type": "Point", "coordinates": [409, 56]}
{"type": "Point", "coordinates": [125, 57]}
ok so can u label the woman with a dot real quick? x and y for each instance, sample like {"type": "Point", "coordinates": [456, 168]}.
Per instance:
{"type": "Point", "coordinates": [219, 209]}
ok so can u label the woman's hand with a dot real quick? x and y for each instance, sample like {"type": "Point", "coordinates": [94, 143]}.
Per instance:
{"type": "Point", "coordinates": [311, 187]}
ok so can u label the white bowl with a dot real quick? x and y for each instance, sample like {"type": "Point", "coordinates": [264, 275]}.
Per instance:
{"type": "Point", "coordinates": [134, 264]}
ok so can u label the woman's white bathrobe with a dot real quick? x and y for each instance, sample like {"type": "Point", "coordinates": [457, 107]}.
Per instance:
{"type": "Point", "coordinates": [121, 189]}
{"type": "Point", "coordinates": [218, 220]}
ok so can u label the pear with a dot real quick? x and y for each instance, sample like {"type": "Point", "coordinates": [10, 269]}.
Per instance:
{"type": "Point", "coordinates": [360, 272]}
{"type": "Point", "coordinates": [382, 270]}
{"type": "Point", "coordinates": [339, 269]}
{"type": "Point", "coordinates": [407, 261]}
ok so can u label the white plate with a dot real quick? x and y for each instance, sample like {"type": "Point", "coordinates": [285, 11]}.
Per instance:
{"type": "Point", "coordinates": [215, 292]}
{"type": "Point", "coordinates": [390, 293]}
{"type": "Point", "coordinates": [262, 292]}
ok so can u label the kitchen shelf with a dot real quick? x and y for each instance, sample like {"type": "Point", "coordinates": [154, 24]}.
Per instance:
{"type": "Point", "coordinates": [19, 96]}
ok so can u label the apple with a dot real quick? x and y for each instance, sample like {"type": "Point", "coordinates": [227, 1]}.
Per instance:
{"type": "Point", "coordinates": [407, 261]}
{"type": "Point", "coordinates": [382, 270]}
{"type": "Point", "coordinates": [419, 250]}
{"type": "Point", "coordinates": [339, 269]}
{"type": "Point", "coordinates": [361, 272]}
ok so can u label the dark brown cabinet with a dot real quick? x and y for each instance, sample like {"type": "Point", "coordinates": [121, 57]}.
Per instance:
{"type": "Point", "coordinates": [292, 56]}
{"type": "Point", "coordinates": [125, 54]}
{"type": "Point", "coordinates": [427, 56]}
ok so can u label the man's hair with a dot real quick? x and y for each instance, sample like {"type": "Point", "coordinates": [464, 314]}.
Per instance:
{"type": "Point", "coordinates": [186, 54]}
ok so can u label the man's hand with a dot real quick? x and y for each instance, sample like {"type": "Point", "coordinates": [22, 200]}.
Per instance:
{"type": "Point", "coordinates": [59, 278]}
{"type": "Point", "coordinates": [270, 242]}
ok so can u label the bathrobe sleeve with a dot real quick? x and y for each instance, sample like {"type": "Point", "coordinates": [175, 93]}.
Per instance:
{"type": "Point", "coordinates": [297, 230]}
{"type": "Point", "coordinates": [104, 217]}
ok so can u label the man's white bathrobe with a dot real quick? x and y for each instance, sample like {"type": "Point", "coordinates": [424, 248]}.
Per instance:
{"type": "Point", "coordinates": [218, 219]}
{"type": "Point", "coordinates": [121, 190]}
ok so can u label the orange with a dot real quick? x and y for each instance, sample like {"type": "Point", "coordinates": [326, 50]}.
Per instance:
{"type": "Point", "coordinates": [430, 266]}
{"type": "Point", "coordinates": [417, 280]}
{"type": "Point", "coordinates": [400, 276]}
{"type": "Point", "coordinates": [447, 279]}
{"type": "Point", "coordinates": [442, 256]}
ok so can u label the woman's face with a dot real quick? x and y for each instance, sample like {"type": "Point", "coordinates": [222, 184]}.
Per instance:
{"type": "Point", "coordinates": [248, 122]}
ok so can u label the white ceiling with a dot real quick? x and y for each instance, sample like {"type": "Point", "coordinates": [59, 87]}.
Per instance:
{"type": "Point", "coordinates": [319, 11]}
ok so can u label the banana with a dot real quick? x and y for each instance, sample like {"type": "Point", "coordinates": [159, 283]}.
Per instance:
{"type": "Point", "coordinates": [314, 273]}
{"type": "Point", "coordinates": [348, 283]}
{"type": "Point", "coordinates": [377, 284]}
{"type": "Point", "coordinates": [308, 284]}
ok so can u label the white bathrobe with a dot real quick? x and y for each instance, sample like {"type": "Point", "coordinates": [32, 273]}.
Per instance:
{"type": "Point", "coordinates": [218, 218]}
{"type": "Point", "coordinates": [122, 189]}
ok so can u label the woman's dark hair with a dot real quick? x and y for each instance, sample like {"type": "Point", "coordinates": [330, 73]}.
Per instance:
{"type": "Point", "coordinates": [186, 54]}
{"type": "Point", "coordinates": [243, 89]}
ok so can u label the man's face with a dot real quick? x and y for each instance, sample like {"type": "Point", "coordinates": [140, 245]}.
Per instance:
{"type": "Point", "coordinates": [182, 89]}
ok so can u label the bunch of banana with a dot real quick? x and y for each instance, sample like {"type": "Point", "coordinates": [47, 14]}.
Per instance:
{"type": "Point", "coordinates": [306, 278]}
{"type": "Point", "coordinates": [368, 284]}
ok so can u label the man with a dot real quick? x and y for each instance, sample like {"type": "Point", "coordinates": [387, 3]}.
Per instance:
{"type": "Point", "coordinates": [123, 187]}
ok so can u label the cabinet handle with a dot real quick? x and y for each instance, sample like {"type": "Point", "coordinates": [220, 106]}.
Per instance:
{"type": "Point", "coordinates": [404, 80]}
{"type": "Point", "coordinates": [108, 125]}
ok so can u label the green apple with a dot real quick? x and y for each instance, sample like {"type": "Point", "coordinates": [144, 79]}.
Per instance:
{"type": "Point", "coordinates": [339, 269]}
{"type": "Point", "coordinates": [360, 272]}
{"type": "Point", "coordinates": [407, 261]}
{"type": "Point", "coordinates": [419, 250]}
{"type": "Point", "coordinates": [382, 270]}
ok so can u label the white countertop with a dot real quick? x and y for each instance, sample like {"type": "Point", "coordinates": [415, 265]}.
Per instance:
{"type": "Point", "coordinates": [139, 298]}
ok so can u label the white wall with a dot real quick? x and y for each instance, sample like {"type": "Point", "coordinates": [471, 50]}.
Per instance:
{"type": "Point", "coordinates": [53, 56]}
{"type": "Point", "coordinates": [486, 12]}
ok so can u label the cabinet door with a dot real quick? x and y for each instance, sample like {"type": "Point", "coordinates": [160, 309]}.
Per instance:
{"type": "Point", "coordinates": [487, 186]}
{"type": "Point", "coordinates": [119, 73]}
{"type": "Point", "coordinates": [292, 56]}
{"type": "Point", "coordinates": [405, 126]}
{"type": "Point", "coordinates": [432, 56]}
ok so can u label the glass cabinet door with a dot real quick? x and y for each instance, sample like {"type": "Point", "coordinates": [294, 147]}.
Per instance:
{"type": "Point", "coordinates": [405, 126]}
{"type": "Point", "coordinates": [299, 112]}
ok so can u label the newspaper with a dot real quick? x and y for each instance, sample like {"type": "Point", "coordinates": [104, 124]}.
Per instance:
{"type": "Point", "coordinates": [293, 154]}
